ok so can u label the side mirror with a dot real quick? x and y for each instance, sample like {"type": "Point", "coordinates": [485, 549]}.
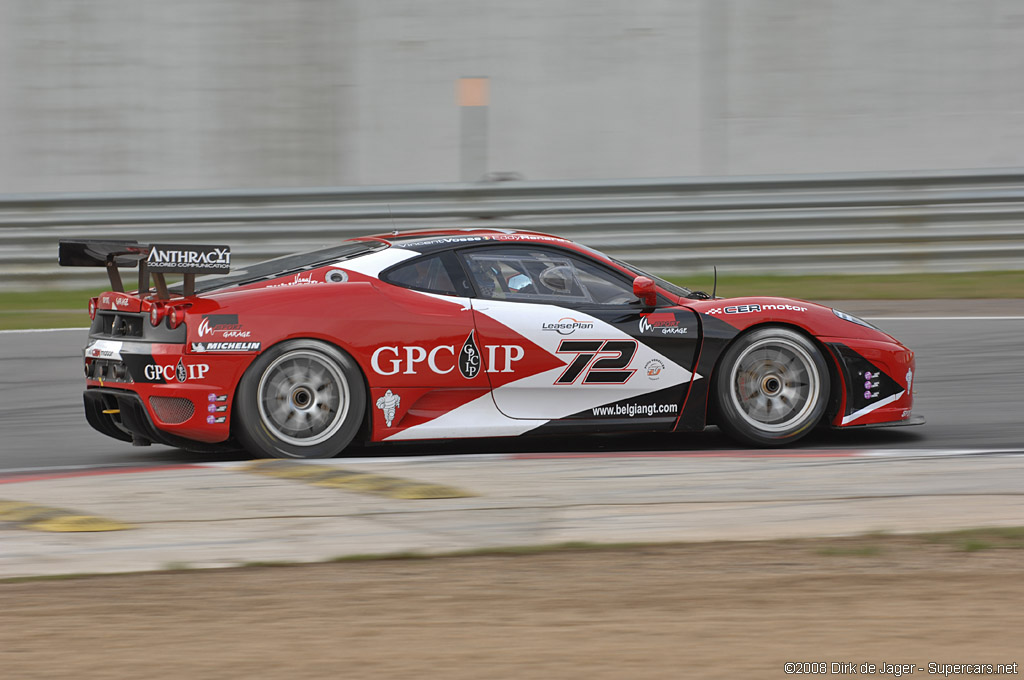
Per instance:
{"type": "Point", "coordinates": [644, 289]}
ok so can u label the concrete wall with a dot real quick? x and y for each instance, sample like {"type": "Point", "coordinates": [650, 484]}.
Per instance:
{"type": "Point", "coordinates": [148, 94]}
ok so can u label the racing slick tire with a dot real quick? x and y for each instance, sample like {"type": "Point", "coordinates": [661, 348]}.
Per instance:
{"type": "Point", "coordinates": [771, 388]}
{"type": "Point", "coordinates": [300, 399]}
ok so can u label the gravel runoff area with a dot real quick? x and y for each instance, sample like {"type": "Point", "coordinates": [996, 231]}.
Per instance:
{"type": "Point", "coordinates": [905, 605]}
{"type": "Point", "coordinates": [908, 605]}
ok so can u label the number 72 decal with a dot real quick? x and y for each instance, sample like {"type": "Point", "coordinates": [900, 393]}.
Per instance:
{"type": "Point", "coordinates": [597, 369]}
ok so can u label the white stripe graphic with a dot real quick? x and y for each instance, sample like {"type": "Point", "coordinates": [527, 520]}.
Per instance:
{"type": "Point", "coordinates": [478, 418]}
{"type": "Point", "coordinates": [871, 407]}
{"type": "Point", "coordinates": [372, 264]}
{"type": "Point", "coordinates": [536, 396]}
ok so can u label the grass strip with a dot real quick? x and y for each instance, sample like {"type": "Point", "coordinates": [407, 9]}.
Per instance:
{"type": "Point", "coordinates": [968, 540]}
{"type": "Point", "coordinates": [972, 285]}
{"type": "Point", "coordinates": [67, 308]}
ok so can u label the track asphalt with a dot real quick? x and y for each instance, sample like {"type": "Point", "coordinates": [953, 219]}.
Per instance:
{"type": "Point", "coordinates": [73, 502]}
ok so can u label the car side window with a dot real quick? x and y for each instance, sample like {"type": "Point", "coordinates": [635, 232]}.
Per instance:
{"type": "Point", "coordinates": [606, 288]}
{"type": "Point", "coordinates": [541, 275]}
{"type": "Point", "coordinates": [425, 273]}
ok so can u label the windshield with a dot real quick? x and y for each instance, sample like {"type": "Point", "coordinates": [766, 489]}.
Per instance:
{"type": "Point", "coordinates": [288, 264]}
{"type": "Point", "coordinates": [670, 287]}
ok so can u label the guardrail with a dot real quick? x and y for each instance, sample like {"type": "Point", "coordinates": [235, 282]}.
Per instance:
{"type": "Point", "coordinates": [864, 222]}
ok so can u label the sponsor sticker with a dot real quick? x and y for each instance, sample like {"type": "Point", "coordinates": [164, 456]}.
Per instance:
{"type": "Point", "coordinates": [443, 359]}
{"type": "Point", "coordinates": [442, 240]}
{"type": "Point", "coordinates": [200, 347]}
{"type": "Point", "coordinates": [525, 237]}
{"type": "Point", "coordinates": [191, 259]}
{"type": "Point", "coordinates": [747, 309]}
{"type": "Point", "coordinates": [181, 372]}
{"type": "Point", "coordinates": [653, 368]}
{"type": "Point", "coordinates": [469, 358]}
{"type": "Point", "coordinates": [663, 323]}
{"type": "Point", "coordinates": [634, 410]}
{"type": "Point", "coordinates": [389, 404]}
{"type": "Point", "coordinates": [215, 420]}
{"type": "Point", "coordinates": [104, 349]}
{"type": "Point", "coordinates": [306, 279]}
{"type": "Point", "coordinates": [567, 326]}
{"type": "Point", "coordinates": [223, 325]}
{"type": "Point", "coordinates": [118, 302]}
{"type": "Point", "coordinates": [213, 396]}
{"type": "Point", "coordinates": [214, 408]}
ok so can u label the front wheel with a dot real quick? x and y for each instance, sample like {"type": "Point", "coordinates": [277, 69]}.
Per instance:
{"type": "Point", "coordinates": [771, 387]}
{"type": "Point", "coordinates": [300, 399]}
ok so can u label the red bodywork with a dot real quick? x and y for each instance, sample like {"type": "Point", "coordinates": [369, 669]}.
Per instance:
{"type": "Point", "coordinates": [407, 342]}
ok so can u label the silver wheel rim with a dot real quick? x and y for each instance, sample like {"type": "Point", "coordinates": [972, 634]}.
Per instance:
{"type": "Point", "coordinates": [303, 398]}
{"type": "Point", "coordinates": [775, 385]}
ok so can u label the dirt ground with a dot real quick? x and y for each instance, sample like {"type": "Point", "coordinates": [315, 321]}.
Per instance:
{"type": "Point", "coordinates": [722, 610]}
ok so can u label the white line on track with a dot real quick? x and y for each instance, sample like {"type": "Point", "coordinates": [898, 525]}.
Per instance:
{"type": "Point", "coordinates": [757, 455]}
{"type": "Point", "coordinates": [938, 453]}
{"type": "Point", "coordinates": [944, 318]}
{"type": "Point", "coordinates": [44, 330]}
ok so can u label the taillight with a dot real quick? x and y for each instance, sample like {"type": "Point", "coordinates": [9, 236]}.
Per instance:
{"type": "Point", "coordinates": [92, 309]}
{"type": "Point", "coordinates": [156, 314]}
{"type": "Point", "coordinates": [176, 316]}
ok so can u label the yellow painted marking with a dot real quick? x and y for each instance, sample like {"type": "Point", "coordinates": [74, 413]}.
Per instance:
{"type": "Point", "coordinates": [6, 506]}
{"type": "Point", "coordinates": [372, 483]}
{"type": "Point", "coordinates": [422, 491]}
{"type": "Point", "coordinates": [339, 480]}
{"type": "Point", "coordinates": [67, 523]}
{"type": "Point", "coordinates": [474, 91]}
{"type": "Point", "coordinates": [109, 411]}
{"type": "Point", "coordinates": [29, 513]}
{"type": "Point", "coordinates": [362, 482]}
{"type": "Point", "coordinates": [42, 518]}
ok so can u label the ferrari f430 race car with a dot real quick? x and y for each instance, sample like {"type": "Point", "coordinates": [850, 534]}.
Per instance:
{"type": "Point", "coordinates": [460, 333]}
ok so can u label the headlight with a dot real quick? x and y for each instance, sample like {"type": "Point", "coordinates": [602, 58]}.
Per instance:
{"type": "Point", "coordinates": [853, 319]}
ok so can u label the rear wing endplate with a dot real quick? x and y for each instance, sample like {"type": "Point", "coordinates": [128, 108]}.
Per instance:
{"type": "Point", "coordinates": [153, 260]}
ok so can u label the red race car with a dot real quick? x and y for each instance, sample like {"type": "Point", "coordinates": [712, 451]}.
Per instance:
{"type": "Point", "coordinates": [460, 333]}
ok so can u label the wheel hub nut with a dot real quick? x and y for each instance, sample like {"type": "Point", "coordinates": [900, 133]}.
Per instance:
{"type": "Point", "coordinates": [302, 398]}
{"type": "Point", "coordinates": [771, 385]}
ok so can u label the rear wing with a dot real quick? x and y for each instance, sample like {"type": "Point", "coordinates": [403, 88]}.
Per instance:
{"type": "Point", "coordinates": [153, 260]}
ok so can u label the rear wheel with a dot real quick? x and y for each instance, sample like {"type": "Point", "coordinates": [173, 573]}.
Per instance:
{"type": "Point", "coordinates": [771, 388]}
{"type": "Point", "coordinates": [300, 399]}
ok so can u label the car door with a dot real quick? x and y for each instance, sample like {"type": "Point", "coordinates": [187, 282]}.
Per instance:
{"type": "Point", "coordinates": [564, 338]}
{"type": "Point", "coordinates": [423, 357]}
